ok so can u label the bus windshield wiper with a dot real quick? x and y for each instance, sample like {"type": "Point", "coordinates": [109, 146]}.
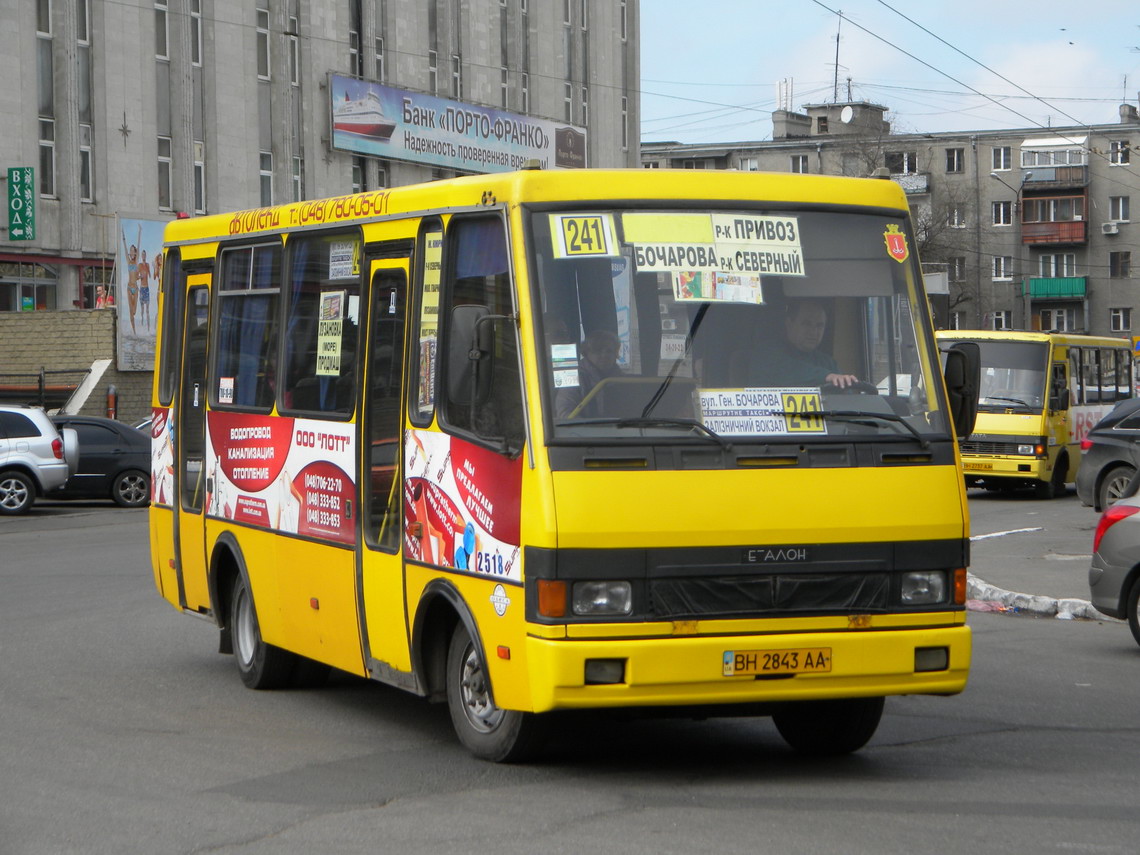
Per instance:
{"type": "Point", "coordinates": [688, 424]}
{"type": "Point", "coordinates": [859, 416]}
{"type": "Point", "coordinates": [1017, 401]}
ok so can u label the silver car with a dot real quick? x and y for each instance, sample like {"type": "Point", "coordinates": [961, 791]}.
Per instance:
{"type": "Point", "coordinates": [34, 456]}
{"type": "Point", "coordinates": [1114, 577]}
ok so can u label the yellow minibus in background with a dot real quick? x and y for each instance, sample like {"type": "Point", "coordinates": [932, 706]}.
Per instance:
{"type": "Point", "coordinates": [545, 441]}
{"type": "Point", "coordinates": [1040, 394]}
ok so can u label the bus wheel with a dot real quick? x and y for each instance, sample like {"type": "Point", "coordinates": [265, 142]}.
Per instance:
{"type": "Point", "coordinates": [1055, 486]}
{"type": "Point", "coordinates": [261, 665]}
{"type": "Point", "coordinates": [486, 730]}
{"type": "Point", "coordinates": [829, 728]}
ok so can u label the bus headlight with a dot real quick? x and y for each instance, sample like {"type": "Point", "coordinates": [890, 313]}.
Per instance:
{"type": "Point", "coordinates": [602, 598]}
{"type": "Point", "coordinates": [923, 588]}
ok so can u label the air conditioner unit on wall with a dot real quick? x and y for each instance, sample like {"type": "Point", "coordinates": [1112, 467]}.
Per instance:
{"type": "Point", "coordinates": [1109, 228]}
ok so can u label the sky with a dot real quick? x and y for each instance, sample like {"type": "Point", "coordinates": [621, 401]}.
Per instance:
{"type": "Point", "coordinates": [711, 70]}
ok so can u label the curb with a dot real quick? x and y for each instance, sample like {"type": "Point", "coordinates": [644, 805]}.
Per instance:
{"type": "Point", "coordinates": [980, 594]}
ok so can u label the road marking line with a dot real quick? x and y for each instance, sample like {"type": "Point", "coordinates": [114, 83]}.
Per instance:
{"type": "Point", "coordinates": [1004, 533]}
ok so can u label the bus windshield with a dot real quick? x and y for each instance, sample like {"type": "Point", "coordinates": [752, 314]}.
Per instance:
{"type": "Point", "coordinates": [730, 326]}
{"type": "Point", "coordinates": [1013, 375]}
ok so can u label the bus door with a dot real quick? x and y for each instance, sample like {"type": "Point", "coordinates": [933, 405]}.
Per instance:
{"type": "Point", "coordinates": [191, 484]}
{"type": "Point", "coordinates": [380, 578]}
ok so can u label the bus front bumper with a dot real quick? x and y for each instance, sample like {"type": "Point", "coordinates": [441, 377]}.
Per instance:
{"type": "Point", "coordinates": [683, 671]}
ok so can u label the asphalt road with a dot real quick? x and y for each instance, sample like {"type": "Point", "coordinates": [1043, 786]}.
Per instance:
{"type": "Point", "coordinates": [123, 731]}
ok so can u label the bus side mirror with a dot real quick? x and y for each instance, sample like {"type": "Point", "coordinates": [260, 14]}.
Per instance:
{"type": "Point", "coordinates": [469, 355]}
{"type": "Point", "coordinates": [962, 371]}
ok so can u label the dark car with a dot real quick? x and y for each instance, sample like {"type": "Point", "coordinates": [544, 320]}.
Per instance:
{"type": "Point", "coordinates": [1114, 576]}
{"type": "Point", "coordinates": [114, 462]}
{"type": "Point", "coordinates": [1110, 456]}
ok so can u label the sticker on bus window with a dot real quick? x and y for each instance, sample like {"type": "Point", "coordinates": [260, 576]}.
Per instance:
{"type": "Point", "coordinates": [342, 260]}
{"type": "Point", "coordinates": [564, 365]}
{"type": "Point", "coordinates": [330, 325]}
{"type": "Point", "coordinates": [762, 411]}
{"type": "Point", "coordinates": [225, 390]}
{"type": "Point", "coordinates": [583, 235]}
{"type": "Point", "coordinates": [896, 243]}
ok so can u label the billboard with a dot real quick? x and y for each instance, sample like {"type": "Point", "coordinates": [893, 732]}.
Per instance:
{"type": "Point", "coordinates": [376, 120]}
{"type": "Point", "coordinates": [139, 266]}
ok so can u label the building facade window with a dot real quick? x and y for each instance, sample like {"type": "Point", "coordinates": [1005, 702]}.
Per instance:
{"type": "Point", "coordinates": [1003, 213]}
{"type": "Point", "coordinates": [1031, 157]}
{"type": "Point", "coordinates": [902, 162]}
{"type": "Point", "coordinates": [1002, 158]}
{"type": "Point", "coordinates": [298, 178]}
{"type": "Point", "coordinates": [1056, 320]}
{"type": "Point", "coordinates": [265, 173]}
{"type": "Point", "coordinates": [27, 287]}
{"type": "Point", "coordinates": [1001, 319]}
{"type": "Point", "coordinates": [47, 157]}
{"type": "Point", "coordinates": [199, 177]}
{"type": "Point", "coordinates": [86, 166]}
{"type": "Point", "coordinates": [359, 175]}
{"type": "Point", "coordinates": [433, 72]}
{"type": "Point", "coordinates": [955, 160]}
{"type": "Point", "coordinates": [1058, 209]}
{"type": "Point", "coordinates": [1118, 208]}
{"type": "Point", "coordinates": [624, 123]}
{"type": "Point", "coordinates": [293, 42]}
{"type": "Point", "coordinates": [262, 44]}
{"type": "Point", "coordinates": [957, 321]}
{"type": "Point", "coordinates": [1120, 320]}
{"type": "Point", "coordinates": [165, 160]}
{"type": "Point", "coordinates": [1003, 267]}
{"type": "Point", "coordinates": [161, 31]}
{"type": "Point", "coordinates": [379, 53]}
{"type": "Point", "coordinates": [956, 267]}
{"type": "Point", "coordinates": [1120, 264]}
{"type": "Point", "coordinates": [1119, 153]}
{"type": "Point", "coordinates": [524, 91]}
{"type": "Point", "coordinates": [1058, 265]}
{"type": "Point", "coordinates": [456, 76]}
{"type": "Point", "coordinates": [195, 32]}
{"type": "Point", "coordinates": [799, 163]}
{"type": "Point", "coordinates": [568, 102]}
{"type": "Point", "coordinates": [956, 218]}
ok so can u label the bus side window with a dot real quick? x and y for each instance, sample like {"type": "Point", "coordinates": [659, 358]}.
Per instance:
{"type": "Point", "coordinates": [321, 326]}
{"type": "Point", "coordinates": [478, 276]}
{"type": "Point", "coordinates": [247, 327]}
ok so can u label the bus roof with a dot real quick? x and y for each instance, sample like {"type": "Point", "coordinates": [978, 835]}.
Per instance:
{"type": "Point", "coordinates": [544, 186]}
{"type": "Point", "coordinates": [1033, 335]}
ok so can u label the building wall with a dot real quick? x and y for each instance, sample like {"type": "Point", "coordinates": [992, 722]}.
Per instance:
{"type": "Point", "coordinates": [71, 342]}
{"type": "Point", "coordinates": [131, 97]}
{"type": "Point", "coordinates": [934, 192]}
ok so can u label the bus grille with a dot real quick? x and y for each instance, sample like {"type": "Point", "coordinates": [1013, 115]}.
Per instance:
{"type": "Point", "coordinates": [1007, 448]}
{"type": "Point", "coordinates": [740, 596]}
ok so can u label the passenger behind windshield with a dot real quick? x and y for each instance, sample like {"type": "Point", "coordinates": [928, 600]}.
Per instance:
{"type": "Point", "coordinates": [599, 351]}
{"type": "Point", "coordinates": [799, 360]}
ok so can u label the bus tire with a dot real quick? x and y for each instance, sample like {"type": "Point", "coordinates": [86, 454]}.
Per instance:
{"type": "Point", "coordinates": [829, 728]}
{"type": "Point", "coordinates": [261, 665]}
{"type": "Point", "coordinates": [1112, 485]}
{"type": "Point", "coordinates": [486, 730]}
{"type": "Point", "coordinates": [1055, 487]}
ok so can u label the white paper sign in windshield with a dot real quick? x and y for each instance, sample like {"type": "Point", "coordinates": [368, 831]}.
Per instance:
{"type": "Point", "coordinates": [762, 411]}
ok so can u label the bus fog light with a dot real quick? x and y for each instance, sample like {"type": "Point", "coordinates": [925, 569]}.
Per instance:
{"type": "Point", "coordinates": [923, 588]}
{"type": "Point", "coordinates": [602, 598]}
{"type": "Point", "coordinates": [931, 658]}
{"type": "Point", "coordinates": [605, 671]}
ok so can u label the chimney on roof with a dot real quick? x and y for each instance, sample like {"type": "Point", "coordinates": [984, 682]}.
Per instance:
{"type": "Point", "coordinates": [1128, 114]}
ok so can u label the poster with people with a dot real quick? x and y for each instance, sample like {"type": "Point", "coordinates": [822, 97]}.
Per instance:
{"type": "Point", "coordinates": [139, 272]}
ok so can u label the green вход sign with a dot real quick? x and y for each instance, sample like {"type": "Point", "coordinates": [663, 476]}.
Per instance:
{"type": "Point", "coordinates": [21, 203]}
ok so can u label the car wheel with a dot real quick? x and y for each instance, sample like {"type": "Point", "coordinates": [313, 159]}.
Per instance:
{"type": "Point", "coordinates": [261, 665]}
{"type": "Point", "coordinates": [1132, 607]}
{"type": "Point", "coordinates": [829, 728]}
{"type": "Point", "coordinates": [131, 489]}
{"type": "Point", "coordinates": [486, 730]}
{"type": "Point", "coordinates": [1112, 485]}
{"type": "Point", "coordinates": [17, 492]}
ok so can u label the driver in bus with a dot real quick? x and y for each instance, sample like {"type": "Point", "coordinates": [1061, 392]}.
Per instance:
{"type": "Point", "coordinates": [798, 359]}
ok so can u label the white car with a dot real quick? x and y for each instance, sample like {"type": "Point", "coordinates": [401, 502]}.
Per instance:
{"type": "Point", "coordinates": [34, 456]}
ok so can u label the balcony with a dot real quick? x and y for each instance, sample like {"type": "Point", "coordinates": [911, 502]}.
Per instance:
{"type": "Point", "coordinates": [1057, 288]}
{"type": "Point", "coordinates": [1070, 232]}
{"type": "Point", "coordinates": [913, 183]}
{"type": "Point", "coordinates": [1057, 177]}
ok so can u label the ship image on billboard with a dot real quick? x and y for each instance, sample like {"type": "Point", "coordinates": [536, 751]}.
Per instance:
{"type": "Point", "coordinates": [372, 119]}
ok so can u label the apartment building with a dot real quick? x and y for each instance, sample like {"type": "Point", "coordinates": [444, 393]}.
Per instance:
{"type": "Point", "coordinates": [1017, 229]}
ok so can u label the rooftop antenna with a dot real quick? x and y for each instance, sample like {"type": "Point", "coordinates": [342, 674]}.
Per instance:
{"type": "Point", "coordinates": [835, 85]}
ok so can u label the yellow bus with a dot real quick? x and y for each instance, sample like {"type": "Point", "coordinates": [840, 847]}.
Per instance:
{"type": "Point", "coordinates": [540, 441]}
{"type": "Point", "coordinates": [1040, 394]}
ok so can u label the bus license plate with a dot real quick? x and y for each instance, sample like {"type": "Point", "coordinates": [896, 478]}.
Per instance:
{"type": "Point", "coordinates": [795, 660]}
{"type": "Point", "coordinates": [985, 467]}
